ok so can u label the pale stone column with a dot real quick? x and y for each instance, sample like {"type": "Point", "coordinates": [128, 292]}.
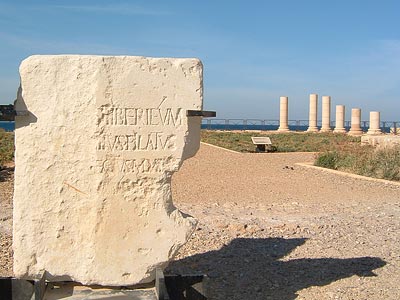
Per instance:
{"type": "Point", "coordinates": [312, 117]}
{"type": "Point", "coordinates": [340, 113]}
{"type": "Point", "coordinates": [355, 122]}
{"type": "Point", "coordinates": [283, 116]}
{"type": "Point", "coordinates": [326, 114]}
{"type": "Point", "coordinates": [374, 123]}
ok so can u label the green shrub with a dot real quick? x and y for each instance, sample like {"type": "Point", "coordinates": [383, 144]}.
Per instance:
{"type": "Point", "coordinates": [284, 142]}
{"type": "Point", "coordinates": [381, 163]}
{"type": "Point", "coordinates": [386, 163]}
{"type": "Point", "coordinates": [328, 159]}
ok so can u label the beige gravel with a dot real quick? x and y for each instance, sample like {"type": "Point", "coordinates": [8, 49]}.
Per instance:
{"type": "Point", "coordinates": [270, 229]}
{"type": "Point", "coordinates": [6, 193]}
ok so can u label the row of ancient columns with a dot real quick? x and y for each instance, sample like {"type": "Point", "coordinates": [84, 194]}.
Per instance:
{"type": "Point", "coordinates": [355, 128]}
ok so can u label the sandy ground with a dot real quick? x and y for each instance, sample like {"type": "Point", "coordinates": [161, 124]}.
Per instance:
{"type": "Point", "coordinates": [6, 193]}
{"type": "Point", "coordinates": [270, 229]}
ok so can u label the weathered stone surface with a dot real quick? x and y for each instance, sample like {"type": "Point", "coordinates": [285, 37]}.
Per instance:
{"type": "Point", "coordinates": [313, 114]}
{"type": "Point", "coordinates": [355, 128]}
{"type": "Point", "coordinates": [340, 116]}
{"type": "Point", "coordinates": [381, 141]}
{"type": "Point", "coordinates": [326, 114]}
{"type": "Point", "coordinates": [283, 114]}
{"type": "Point", "coordinates": [94, 160]}
{"type": "Point", "coordinates": [374, 123]}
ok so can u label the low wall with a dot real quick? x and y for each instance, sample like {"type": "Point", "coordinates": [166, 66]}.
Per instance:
{"type": "Point", "coordinates": [381, 140]}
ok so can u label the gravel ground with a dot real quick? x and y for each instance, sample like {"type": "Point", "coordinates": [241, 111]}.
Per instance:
{"type": "Point", "coordinates": [270, 229]}
{"type": "Point", "coordinates": [6, 193]}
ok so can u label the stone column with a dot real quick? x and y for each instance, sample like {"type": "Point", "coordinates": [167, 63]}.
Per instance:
{"type": "Point", "coordinates": [312, 117]}
{"type": "Point", "coordinates": [283, 116]}
{"type": "Point", "coordinates": [326, 114]}
{"type": "Point", "coordinates": [374, 123]}
{"type": "Point", "coordinates": [355, 122]}
{"type": "Point", "coordinates": [340, 113]}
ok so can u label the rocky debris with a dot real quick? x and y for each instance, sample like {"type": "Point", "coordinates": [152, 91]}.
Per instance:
{"type": "Point", "coordinates": [5, 255]}
{"type": "Point", "coordinates": [316, 235]}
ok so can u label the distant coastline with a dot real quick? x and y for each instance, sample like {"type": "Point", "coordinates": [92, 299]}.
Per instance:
{"type": "Point", "coordinates": [10, 126]}
{"type": "Point", "coordinates": [265, 127]}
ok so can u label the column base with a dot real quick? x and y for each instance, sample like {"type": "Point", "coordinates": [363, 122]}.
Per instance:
{"type": "Point", "coordinates": [339, 130]}
{"type": "Point", "coordinates": [312, 129]}
{"type": "Point", "coordinates": [325, 130]}
{"type": "Point", "coordinates": [374, 131]}
{"type": "Point", "coordinates": [355, 132]}
{"type": "Point", "coordinates": [283, 129]}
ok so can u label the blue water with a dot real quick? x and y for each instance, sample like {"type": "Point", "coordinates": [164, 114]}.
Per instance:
{"type": "Point", "coordinates": [7, 126]}
{"type": "Point", "coordinates": [10, 126]}
{"type": "Point", "coordinates": [265, 127]}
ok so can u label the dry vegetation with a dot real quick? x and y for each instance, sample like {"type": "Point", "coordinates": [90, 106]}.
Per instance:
{"type": "Point", "coordinates": [6, 147]}
{"type": "Point", "coordinates": [334, 151]}
{"type": "Point", "coordinates": [284, 142]}
{"type": "Point", "coordinates": [381, 163]}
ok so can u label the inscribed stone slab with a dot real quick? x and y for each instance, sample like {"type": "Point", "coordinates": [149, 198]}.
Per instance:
{"type": "Point", "coordinates": [94, 160]}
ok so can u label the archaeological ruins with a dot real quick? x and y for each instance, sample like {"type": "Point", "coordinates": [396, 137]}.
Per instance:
{"type": "Point", "coordinates": [355, 129]}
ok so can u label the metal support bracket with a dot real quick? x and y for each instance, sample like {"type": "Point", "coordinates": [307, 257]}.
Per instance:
{"type": "Point", "coordinates": [167, 287]}
{"type": "Point", "coordinates": [181, 287]}
{"type": "Point", "coordinates": [8, 112]}
{"type": "Point", "coordinates": [201, 113]}
{"type": "Point", "coordinates": [20, 289]}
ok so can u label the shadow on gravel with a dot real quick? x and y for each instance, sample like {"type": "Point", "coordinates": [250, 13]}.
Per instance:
{"type": "Point", "coordinates": [6, 173]}
{"type": "Point", "coordinates": [251, 269]}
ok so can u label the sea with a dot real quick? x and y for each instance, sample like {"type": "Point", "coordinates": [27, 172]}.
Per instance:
{"type": "Point", "coordinates": [10, 126]}
{"type": "Point", "coordinates": [267, 127]}
{"type": "Point", "coordinates": [7, 126]}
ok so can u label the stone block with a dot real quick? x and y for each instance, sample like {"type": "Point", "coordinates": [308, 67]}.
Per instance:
{"type": "Point", "coordinates": [381, 141]}
{"type": "Point", "coordinates": [94, 159]}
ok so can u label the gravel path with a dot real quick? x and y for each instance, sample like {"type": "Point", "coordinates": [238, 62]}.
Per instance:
{"type": "Point", "coordinates": [270, 229]}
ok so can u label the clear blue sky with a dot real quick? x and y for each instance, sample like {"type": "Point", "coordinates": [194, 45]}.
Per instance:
{"type": "Point", "coordinates": [252, 51]}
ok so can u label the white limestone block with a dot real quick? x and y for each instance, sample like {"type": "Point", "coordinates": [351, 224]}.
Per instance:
{"type": "Point", "coordinates": [94, 160]}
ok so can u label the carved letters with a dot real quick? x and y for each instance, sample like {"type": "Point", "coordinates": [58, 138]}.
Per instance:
{"type": "Point", "coordinates": [131, 166]}
{"type": "Point", "coordinates": [129, 116]}
{"type": "Point", "coordinates": [152, 141]}
{"type": "Point", "coordinates": [129, 129]}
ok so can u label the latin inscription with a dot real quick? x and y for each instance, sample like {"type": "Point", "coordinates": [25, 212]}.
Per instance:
{"type": "Point", "coordinates": [130, 116]}
{"type": "Point", "coordinates": [132, 166]}
{"type": "Point", "coordinates": [130, 129]}
{"type": "Point", "coordinates": [153, 141]}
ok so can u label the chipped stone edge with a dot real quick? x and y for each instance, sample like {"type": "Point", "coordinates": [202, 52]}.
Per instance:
{"type": "Point", "coordinates": [356, 176]}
